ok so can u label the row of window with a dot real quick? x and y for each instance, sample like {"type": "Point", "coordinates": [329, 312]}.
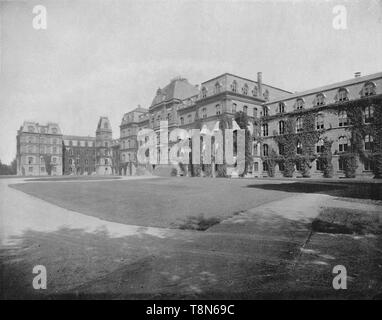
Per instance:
{"type": "Point", "coordinates": [31, 160]}
{"type": "Point", "coordinates": [234, 88]}
{"type": "Point", "coordinates": [42, 169]}
{"type": "Point", "coordinates": [368, 165]}
{"type": "Point", "coordinates": [369, 89]}
{"type": "Point", "coordinates": [42, 140]}
{"type": "Point", "coordinates": [42, 130]}
{"type": "Point", "coordinates": [343, 146]}
{"type": "Point", "coordinates": [343, 120]}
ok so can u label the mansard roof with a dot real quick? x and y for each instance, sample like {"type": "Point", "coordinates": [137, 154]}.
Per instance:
{"type": "Point", "coordinates": [178, 88]}
{"type": "Point", "coordinates": [332, 86]}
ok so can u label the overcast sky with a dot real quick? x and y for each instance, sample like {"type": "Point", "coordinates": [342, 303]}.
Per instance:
{"type": "Point", "coordinates": [103, 58]}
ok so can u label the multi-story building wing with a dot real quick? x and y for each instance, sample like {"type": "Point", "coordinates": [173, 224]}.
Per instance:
{"type": "Point", "coordinates": [328, 104]}
{"type": "Point", "coordinates": [39, 149]}
{"type": "Point", "coordinates": [187, 106]}
{"type": "Point", "coordinates": [79, 155]}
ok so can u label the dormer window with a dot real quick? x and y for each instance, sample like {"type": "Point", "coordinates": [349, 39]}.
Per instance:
{"type": "Point", "coordinates": [54, 130]}
{"type": "Point", "coordinates": [368, 89]}
{"type": "Point", "coordinates": [181, 120]}
{"type": "Point", "coordinates": [234, 86]}
{"type": "Point", "coordinates": [105, 125]}
{"type": "Point", "coordinates": [320, 99]}
{"type": "Point", "coordinates": [342, 95]}
{"type": "Point", "coordinates": [217, 87]}
{"type": "Point", "coordinates": [300, 104]}
{"type": "Point", "coordinates": [255, 91]}
{"type": "Point", "coordinates": [204, 92]}
{"type": "Point", "coordinates": [245, 109]}
{"type": "Point", "coordinates": [244, 90]}
{"type": "Point", "coordinates": [31, 129]}
{"type": "Point", "coordinates": [265, 111]}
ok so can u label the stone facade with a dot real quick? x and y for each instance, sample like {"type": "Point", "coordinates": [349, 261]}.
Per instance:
{"type": "Point", "coordinates": [189, 106]}
{"type": "Point", "coordinates": [326, 103]}
{"type": "Point", "coordinates": [39, 149]}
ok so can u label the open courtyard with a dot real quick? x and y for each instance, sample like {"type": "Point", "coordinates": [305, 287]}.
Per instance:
{"type": "Point", "coordinates": [155, 237]}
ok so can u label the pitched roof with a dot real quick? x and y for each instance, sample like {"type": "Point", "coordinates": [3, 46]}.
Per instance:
{"type": "Point", "coordinates": [340, 84]}
{"type": "Point", "coordinates": [178, 88]}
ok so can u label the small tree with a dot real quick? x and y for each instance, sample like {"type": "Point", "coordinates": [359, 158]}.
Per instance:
{"type": "Point", "coordinates": [241, 119]}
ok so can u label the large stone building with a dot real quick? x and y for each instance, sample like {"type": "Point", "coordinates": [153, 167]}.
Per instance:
{"type": "Point", "coordinates": [189, 106]}
{"type": "Point", "coordinates": [39, 149]}
{"type": "Point", "coordinates": [294, 129]}
{"type": "Point", "coordinates": [329, 109]}
{"type": "Point", "coordinates": [38, 145]}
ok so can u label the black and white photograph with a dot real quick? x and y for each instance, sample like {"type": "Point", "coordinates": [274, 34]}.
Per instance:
{"type": "Point", "coordinates": [167, 150]}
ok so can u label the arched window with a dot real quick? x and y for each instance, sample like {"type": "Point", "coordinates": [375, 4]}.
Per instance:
{"type": "Point", "coordinates": [204, 92]}
{"type": "Point", "coordinates": [105, 125]}
{"type": "Point", "coordinates": [234, 107]}
{"type": "Point", "coordinates": [30, 160]}
{"type": "Point", "coordinates": [342, 144]}
{"type": "Point", "coordinates": [299, 127]}
{"type": "Point", "coordinates": [265, 150]}
{"type": "Point", "coordinates": [265, 111]}
{"type": "Point", "coordinates": [320, 99]}
{"type": "Point", "coordinates": [281, 107]}
{"type": "Point", "coordinates": [281, 127]}
{"type": "Point", "coordinates": [343, 118]}
{"type": "Point", "coordinates": [189, 118]}
{"type": "Point", "coordinates": [342, 95]}
{"type": "Point", "coordinates": [244, 90]}
{"type": "Point", "coordinates": [300, 103]}
{"type": "Point", "coordinates": [368, 89]}
{"type": "Point", "coordinates": [234, 86]}
{"type": "Point", "coordinates": [217, 107]}
{"type": "Point", "coordinates": [31, 129]}
{"type": "Point", "coordinates": [369, 143]}
{"type": "Point", "coordinates": [320, 146]}
{"type": "Point", "coordinates": [369, 112]}
{"type": "Point", "coordinates": [320, 122]}
{"type": "Point", "coordinates": [299, 147]}
{"type": "Point", "coordinates": [245, 109]}
{"type": "Point", "coordinates": [70, 161]}
{"type": "Point", "coordinates": [255, 91]}
{"type": "Point", "coordinates": [181, 120]}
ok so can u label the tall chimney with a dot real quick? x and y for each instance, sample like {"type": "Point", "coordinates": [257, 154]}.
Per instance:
{"type": "Point", "coordinates": [357, 74]}
{"type": "Point", "coordinates": [260, 83]}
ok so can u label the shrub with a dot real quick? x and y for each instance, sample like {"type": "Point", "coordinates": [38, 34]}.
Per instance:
{"type": "Point", "coordinates": [174, 172]}
{"type": "Point", "coordinates": [350, 164]}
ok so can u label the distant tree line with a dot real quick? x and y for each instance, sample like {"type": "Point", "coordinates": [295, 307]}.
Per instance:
{"type": "Point", "coordinates": [6, 169]}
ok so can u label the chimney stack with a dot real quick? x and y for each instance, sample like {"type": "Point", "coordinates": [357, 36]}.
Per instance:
{"type": "Point", "coordinates": [260, 83]}
{"type": "Point", "coordinates": [357, 74]}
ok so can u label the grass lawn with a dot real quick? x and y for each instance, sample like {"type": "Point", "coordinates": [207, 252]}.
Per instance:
{"type": "Point", "coordinates": [162, 202]}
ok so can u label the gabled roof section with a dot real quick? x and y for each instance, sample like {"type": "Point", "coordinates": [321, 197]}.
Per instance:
{"type": "Point", "coordinates": [179, 88]}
